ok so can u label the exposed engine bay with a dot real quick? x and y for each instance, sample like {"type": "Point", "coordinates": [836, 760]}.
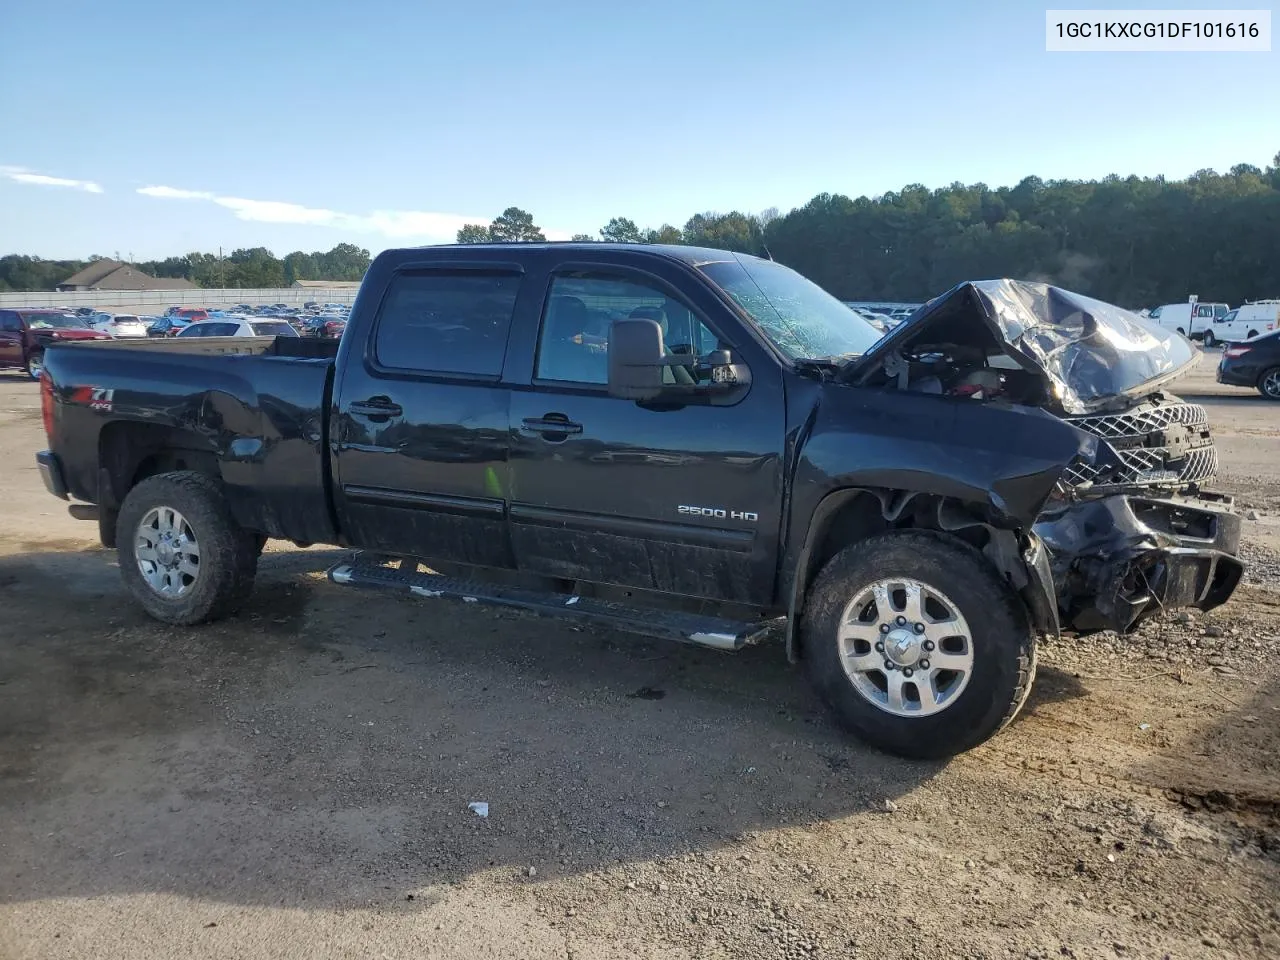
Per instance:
{"type": "Point", "coordinates": [1132, 529]}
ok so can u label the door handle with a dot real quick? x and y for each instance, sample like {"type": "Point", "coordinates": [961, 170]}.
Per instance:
{"type": "Point", "coordinates": [376, 408]}
{"type": "Point", "coordinates": [552, 425]}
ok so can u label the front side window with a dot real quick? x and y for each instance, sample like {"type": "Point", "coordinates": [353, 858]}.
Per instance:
{"type": "Point", "coordinates": [1229, 317]}
{"type": "Point", "coordinates": [573, 345]}
{"type": "Point", "coordinates": [445, 321]}
{"type": "Point", "coordinates": [1155, 314]}
{"type": "Point", "coordinates": [802, 319]}
{"type": "Point", "coordinates": [10, 323]}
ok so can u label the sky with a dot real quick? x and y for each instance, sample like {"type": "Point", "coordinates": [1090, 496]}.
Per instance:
{"type": "Point", "coordinates": [148, 129]}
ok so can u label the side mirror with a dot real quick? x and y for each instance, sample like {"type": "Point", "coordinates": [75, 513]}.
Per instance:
{"type": "Point", "coordinates": [636, 359]}
{"type": "Point", "coordinates": [638, 362]}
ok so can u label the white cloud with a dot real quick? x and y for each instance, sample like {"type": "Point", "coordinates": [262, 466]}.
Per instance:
{"type": "Point", "coordinates": [23, 175]}
{"type": "Point", "coordinates": [399, 224]}
{"type": "Point", "coordinates": [173, 193]}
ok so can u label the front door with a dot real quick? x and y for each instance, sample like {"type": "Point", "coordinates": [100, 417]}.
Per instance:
{"type": "Point", "coordinates": [420, 433]}
{"type": "Point", "coordinates": [10, 339]}
{"type": "Point", "coordinates": [678, 498]}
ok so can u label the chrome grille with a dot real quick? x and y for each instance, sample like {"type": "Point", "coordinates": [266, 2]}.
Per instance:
{"type": "Point", "coordinates": [1141, 423]}
{"type": "Point", "coordinates": [1188, 457]}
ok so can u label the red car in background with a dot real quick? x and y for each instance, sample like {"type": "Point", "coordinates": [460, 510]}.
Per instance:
{"type": "Point", "coordinates": [187, 314]}
{"type": "Point", "coordinates": [24, 334]}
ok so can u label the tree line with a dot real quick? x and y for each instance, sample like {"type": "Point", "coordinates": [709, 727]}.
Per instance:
{"type": "Point", "coordinates": [243, 268]}
{"type": "Point", "coordinates": [1135, 241]}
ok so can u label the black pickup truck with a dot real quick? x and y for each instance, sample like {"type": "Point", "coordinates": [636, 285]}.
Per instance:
{"type": "Point", "coordinates": [685, 442]}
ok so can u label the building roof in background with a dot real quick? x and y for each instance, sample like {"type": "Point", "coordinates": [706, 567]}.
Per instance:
{"type": "Point", "coordinates": [114, 275]}
{"type": "Point", "coordinates": [91, 274]}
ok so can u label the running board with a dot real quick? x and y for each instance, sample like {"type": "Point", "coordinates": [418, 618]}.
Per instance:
{"type": "Point", "coordinates": [715, 632]}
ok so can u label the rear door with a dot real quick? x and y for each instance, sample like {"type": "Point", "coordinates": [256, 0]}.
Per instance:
{"type": "Point", "coordinates": [420, 430]}
{"type": "Point", "coordinates": [10, 339]}
{"type": "Point", "coordinates": [681, 498]}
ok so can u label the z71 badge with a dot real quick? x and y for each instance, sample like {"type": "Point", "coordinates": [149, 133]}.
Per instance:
{"type": "Point", "coordinates": [95, 398]}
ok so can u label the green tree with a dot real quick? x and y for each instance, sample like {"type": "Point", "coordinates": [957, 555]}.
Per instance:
{"type": "Point", "coordinates": [474, 233]}
{"type": "Point", "coordinates": [621, 230]}
{"type": "Point", "coordinates": [582, 238]}
{"type": "Point", "coordinates": [727, 231]}
{"type": "Point", "coordinates": [515, 225]}
{"type": "Point", "coordinates": [664, 234]}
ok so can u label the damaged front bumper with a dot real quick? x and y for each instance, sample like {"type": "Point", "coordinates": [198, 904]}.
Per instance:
{"type": "Point", "coordinates": [1117, 560]}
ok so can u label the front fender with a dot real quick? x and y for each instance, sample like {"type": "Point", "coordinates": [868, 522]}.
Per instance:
{"type": "Point", "coordinates": [1000, 461]}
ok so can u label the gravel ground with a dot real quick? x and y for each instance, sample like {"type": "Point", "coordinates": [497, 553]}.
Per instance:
{"type": "Point", "coordinates": [295, 782]}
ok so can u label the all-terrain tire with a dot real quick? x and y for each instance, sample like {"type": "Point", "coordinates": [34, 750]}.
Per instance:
{"type": "Point", "coordinates": [228, 557]}
{"type": "Point", "coordinates": [1003, 642]}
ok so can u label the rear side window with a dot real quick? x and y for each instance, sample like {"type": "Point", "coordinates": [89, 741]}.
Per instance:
{"type": "Point", "coordinates": [274, 328]}
{"type": "Point", "coordinates": [446, 321]}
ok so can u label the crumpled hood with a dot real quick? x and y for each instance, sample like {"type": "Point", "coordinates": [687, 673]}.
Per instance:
{"type": "Point", "coordinates": [1092, 352]}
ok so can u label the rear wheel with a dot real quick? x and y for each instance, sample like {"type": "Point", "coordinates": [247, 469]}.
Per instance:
{"type": "Point", "coordinates": [182, 554]}
{"type": "Point", "coordinates": [35, 365]}
{"type": "Point", "coordinates": [1209, 338]}
{"type": "Point", "coordinates": [917, 644]}
{"type": "Point", "coordinates": [1269, 383]}
{"type": "Point", "coordinates": [1251, 334]}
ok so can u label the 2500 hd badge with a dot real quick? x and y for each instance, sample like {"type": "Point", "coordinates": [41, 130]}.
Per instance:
{"type": "Point", "coordinates": [719, 513]}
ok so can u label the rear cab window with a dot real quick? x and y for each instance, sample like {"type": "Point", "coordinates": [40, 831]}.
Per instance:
{"type": "Point", "coordinates": [447, 320]}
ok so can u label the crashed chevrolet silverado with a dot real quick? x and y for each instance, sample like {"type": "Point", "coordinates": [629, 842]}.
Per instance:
{"type": "Point", "coordinates": [683, 442]}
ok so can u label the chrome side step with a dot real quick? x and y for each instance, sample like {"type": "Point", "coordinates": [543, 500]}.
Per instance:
{"type": "Point", "coordinates": [714, 632]}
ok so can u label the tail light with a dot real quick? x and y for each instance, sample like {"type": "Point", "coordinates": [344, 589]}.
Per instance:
{"type": "Point", "coordinates": [1234, 352]}
{"type": "Point", "coordinates": [46, 403]}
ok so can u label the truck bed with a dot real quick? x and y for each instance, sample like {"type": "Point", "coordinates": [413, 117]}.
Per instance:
{"type": "Point", "coordinates": [256, 405]}
{"type": "Point", "coordinates": [303, 348]}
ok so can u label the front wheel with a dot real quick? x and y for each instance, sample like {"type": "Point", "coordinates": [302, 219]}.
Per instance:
{"type": "Point", "coordinates": [35, 365]}
{"type": "Point", "coordinates": [182, 554]}
{"type": "Point", "coordinates": [917, 644]}
{"type": "Point", "coordinates": [1269, 383]}
{"type": "Point", "coordinates": [1209, 338]}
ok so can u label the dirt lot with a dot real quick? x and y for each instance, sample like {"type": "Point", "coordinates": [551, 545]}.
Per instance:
{"type": "Point", "coordinates": [294, 783]}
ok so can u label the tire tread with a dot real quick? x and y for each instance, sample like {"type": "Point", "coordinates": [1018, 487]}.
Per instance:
{"type": "Point", "coordinates": [228, 552]}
